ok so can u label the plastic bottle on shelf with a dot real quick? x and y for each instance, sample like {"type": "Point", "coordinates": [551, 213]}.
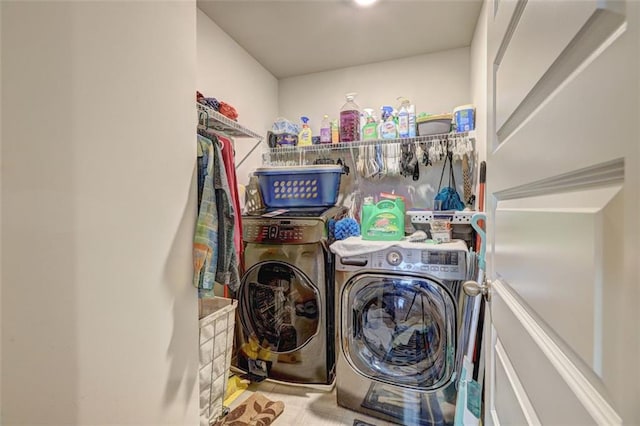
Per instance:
{"type": "Point", "coordinates": [370, 129]}
{"type": "Point", "coordinates": [304, 137]}
{"type": "Point", "coordinates": [403, 118]}
{"type": "Point", "coordinates": [363, 121]}
{"type": "Point", "coordinates": [388, 127]}
{"type": "Point", "coordinates": [412, 121]}
{"type": "Point", "coordinates": [325, 130]}
{"type": "Point", "coordinates": [350, 120]}
{"type": "Point", "coordinates": [335, 131]}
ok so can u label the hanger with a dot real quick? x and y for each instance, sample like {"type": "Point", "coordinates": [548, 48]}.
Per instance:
{"type": "Point", "coordinates": [204, 131]}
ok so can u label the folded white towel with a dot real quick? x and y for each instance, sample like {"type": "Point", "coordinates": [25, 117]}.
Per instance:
{"type": "Point", "coordinates": [354, 246]}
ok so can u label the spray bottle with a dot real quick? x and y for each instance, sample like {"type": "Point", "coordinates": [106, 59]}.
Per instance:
{"type": "Point", "coordinates": [370, 129]}
{"type": "Point", "coordinates": [388, 127]}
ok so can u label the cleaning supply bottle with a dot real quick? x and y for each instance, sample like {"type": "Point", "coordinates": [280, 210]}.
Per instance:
{"type": "Point", "coordinates": [403, 118]}
{"type": "Point", "coordinates": [304, 137]}
{"type": "Point", "coordinates": [370, 129]}
{"type": "Point", "coordinates": [388, 128]}
{"type": "Point", "coordinates": [335, 131]}
{"type": "Point", "coordinates": [412, 121]}
{"type": "Point", "coordinates": [383, 221]}
{"type": "Point", "coordinates": [350, 120]}
{"type": "Point", "coordinates": [325, 130]}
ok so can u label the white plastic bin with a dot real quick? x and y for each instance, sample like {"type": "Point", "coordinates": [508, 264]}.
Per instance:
{"type": "Point", "coordinates": [217, 319]}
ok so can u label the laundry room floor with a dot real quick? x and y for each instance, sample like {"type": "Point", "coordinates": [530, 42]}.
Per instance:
{"type": "Point", "coordinates": [306, 406]}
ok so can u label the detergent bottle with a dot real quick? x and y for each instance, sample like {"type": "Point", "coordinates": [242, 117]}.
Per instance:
{"type": "Point", "coordinates": [383, 221]}
{"type": "Point", "coordinates": [304, 137]}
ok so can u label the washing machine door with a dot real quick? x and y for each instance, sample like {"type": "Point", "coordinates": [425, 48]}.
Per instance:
{"type": "Point", "coordinates": [399, 329]}
{"type": "Point", "coordinates": [279, 306]}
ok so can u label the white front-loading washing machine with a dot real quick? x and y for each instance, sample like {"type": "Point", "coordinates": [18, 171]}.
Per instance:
{"type": "Point", "coordinates": [399, 317]}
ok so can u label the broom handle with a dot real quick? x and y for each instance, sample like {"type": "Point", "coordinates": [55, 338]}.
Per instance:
{"type": "Point", "coordinates": [482, 183]}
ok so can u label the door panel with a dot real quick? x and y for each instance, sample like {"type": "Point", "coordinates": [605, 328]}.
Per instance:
{"type": "Point", "coordinates": [506, 16]}
{"type": "Point", "coordinates": [534, 361]}
{"type": "Point", "coordinates": [566, 274]}
{"type": "Point", "coordinates": [563, 199]}
{"type": "Point", "coordinates": [531, 51]}
{"type": "Point", "coordinates": [561, 136]}
{"type": "Point", "coordinates": [511, 400]}
{"type": "Point", "coordinates": [592, 39]}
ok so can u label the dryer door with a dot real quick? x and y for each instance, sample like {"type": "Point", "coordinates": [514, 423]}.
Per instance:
{"type": "Point", "coordinates": [399, 329]}
{"type": "Point", "coordinates": [279, 306]}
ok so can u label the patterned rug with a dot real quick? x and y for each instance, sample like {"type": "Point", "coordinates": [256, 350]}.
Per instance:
{"type": "Point", "coordinates": [357, 422]}
{"type": "Point", "coordinates": [257, 410]}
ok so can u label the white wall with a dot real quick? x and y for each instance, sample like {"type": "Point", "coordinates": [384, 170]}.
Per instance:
{"type": "Point", "coordinates": [99, 316]}
{"type": "Point", "coordinates": [227, 72]}
{"type": "Point", "coordinates": [435, 83]}
{"type": "Point", "coordinates": [479, 81]}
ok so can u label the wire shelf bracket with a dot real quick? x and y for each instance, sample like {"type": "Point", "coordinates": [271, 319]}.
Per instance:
{"type": "Point", "coordinates": [213, 120]}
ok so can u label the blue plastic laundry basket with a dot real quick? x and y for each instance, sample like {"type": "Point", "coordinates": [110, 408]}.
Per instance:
{"type": "Point", "coordinates": [299, 186]}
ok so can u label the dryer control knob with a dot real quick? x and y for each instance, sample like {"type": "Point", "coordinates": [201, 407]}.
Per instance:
{"type": "Point", "coordinates": [394, 258]}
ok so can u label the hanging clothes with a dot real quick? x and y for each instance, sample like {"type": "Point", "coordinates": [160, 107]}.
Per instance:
{"type": "Point", "coordinates": [214, 253]}
{"type": "Point", "coordinates": [230, 168]}
{"type": "Point", "coordinates": [203, 160]}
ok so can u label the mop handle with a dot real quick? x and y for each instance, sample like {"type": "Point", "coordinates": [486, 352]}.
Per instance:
{"type": "Point", "coordinates": [483, 237]}
{"type": "Point", "coordinates": [481, 268]}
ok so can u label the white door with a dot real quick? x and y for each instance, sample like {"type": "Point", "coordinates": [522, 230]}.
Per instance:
{"type": "Point", "coordinates": [562, 197]}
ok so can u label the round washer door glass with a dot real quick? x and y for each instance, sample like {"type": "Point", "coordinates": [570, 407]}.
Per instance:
{"type": "Point", "coordinates": [279, 306]}
{"type": "Point", "coordinates": [399, 329]}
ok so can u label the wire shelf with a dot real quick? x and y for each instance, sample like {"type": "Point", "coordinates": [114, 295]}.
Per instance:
{"type": "Point", "coordinates": [348, 145]}
{"type": "Point", "coordinates": [458, 144]}
{"type": "Point", "coordinates": [221, 123]}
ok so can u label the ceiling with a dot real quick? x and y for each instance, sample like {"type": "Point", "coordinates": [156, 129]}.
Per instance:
{"type": "Point", "coordinates": [298, 37]}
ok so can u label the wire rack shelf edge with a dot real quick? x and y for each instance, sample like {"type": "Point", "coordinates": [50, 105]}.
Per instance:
{"type": "Point", "coordinates": [212, 119]}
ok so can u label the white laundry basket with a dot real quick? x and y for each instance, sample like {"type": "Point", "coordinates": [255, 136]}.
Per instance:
{"type": "Point", "coordinates": [217, 319]}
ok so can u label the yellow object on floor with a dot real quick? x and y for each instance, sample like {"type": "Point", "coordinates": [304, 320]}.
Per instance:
{"type": "Point", "coordinates": [235, 387]}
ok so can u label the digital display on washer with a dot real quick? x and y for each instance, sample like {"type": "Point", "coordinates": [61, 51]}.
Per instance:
{"type": "Point", "coordinates": [440, 257]}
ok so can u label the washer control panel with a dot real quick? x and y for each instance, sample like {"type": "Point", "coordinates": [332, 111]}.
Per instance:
{"type": "Point", "coordinates": [446, 264]}
{"type": "Point", "coordinates": [296, 231]}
